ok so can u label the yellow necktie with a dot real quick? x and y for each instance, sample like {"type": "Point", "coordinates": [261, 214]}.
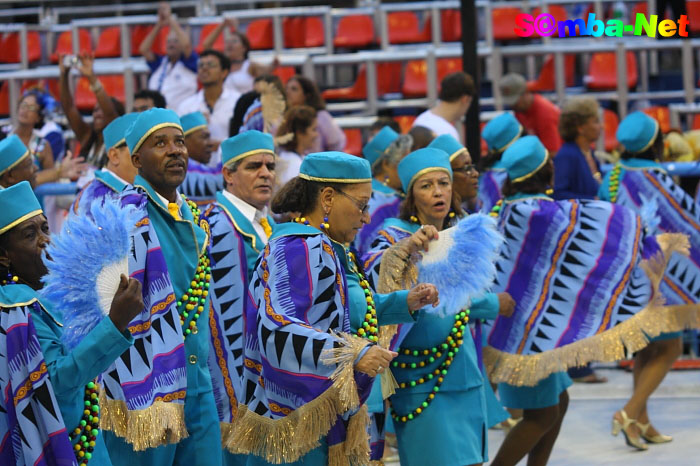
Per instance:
{"type": "Point", "coordinates": [266, 226]}
{"type": "Point", "coordinates": [174, 210]}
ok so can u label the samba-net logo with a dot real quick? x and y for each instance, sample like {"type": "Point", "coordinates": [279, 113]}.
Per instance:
{"type": "Point", "coordinates": [546, 25]}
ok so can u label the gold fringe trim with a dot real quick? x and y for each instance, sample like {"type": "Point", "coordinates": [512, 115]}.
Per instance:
{"type": "Point", "coordinates": [161, 424]}
{"type": "Point", "coordinates": [287, 439]}
{"type": "Point", "coordinates": [388, 383]}
{"type": "Point", "coordinates": [226, 432]}
{"type": "Point", "coordinates": [631, 335]}
{"type": "Point", "coordinates": [376, 463]}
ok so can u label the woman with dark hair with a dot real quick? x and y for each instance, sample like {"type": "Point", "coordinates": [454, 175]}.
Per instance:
{"type": "Point", "coordinates": [313, 326]}
{"type": "Point", "coordinates": [297, 133]}
{"type": "Point", "coordinates": [636, 179]}
{"type": "Point", "coordinates": [303, 91]}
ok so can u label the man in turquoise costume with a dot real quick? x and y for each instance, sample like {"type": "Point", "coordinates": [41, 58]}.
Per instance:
{"type": "Point", "coordinates": [240, 227]}
{"type": "Point", "coordinates": [202, 181]}
{"type": "Point", "coordinates": [158, 401]}
{"type": "Point", "coordinates": [119, 171]}
{"type": "Point", "coordinates": [15, 162]}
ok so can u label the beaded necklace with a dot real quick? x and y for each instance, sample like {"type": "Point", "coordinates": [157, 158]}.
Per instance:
{"type": "Point", "coordinates": [448, 349]}
{"type": "Point", "coordinates": [369, 327]}
{"type": "Point", "coordinates": [415, 219]}
{"type": "Point", "coordinates": [614, 183]}
{"type": "Point", "coordinates": [191, 305]}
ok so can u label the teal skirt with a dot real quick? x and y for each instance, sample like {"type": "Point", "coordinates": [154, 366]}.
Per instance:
{"type": "Point", "coordinates": [544, 394]}
{"type": "Point", "coordinates": [667, 336]}
{"type": "Point", "coordinates": [450, 432]}
{"type": "Point", "coordinates": [316, 457]}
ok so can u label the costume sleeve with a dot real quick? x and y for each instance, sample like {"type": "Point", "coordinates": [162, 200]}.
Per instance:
{"type": "Point", "coordinates": [485, 308]}
{"type": "Point", "coordinates": [392, 308]}
{"type": "Point", "coordinates": [70, 371]}
{"type": "Point", "coordinates": [372, 260]}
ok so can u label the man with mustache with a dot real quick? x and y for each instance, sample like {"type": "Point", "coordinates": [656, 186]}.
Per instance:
{"type": "Point", "coordinates": [240, 226]}
{"type": "Point", "coordinates": [202, 181]}
{"type": "Point", "coordinates": [158, 402]}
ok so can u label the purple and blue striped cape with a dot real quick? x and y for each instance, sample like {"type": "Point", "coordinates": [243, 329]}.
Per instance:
{"type": "Point", "coordinates": [300, 303]}
{"type": "Point", "coordinates": [32, 431]}
{"type": "Point", "coordinates": [202, 182]}
{"type": "Point", "coordinates": [490, 185]}
{"type": "Point", "coordinates": [678, 212]}
{"type": "Point", "coordinates": [383, 204]}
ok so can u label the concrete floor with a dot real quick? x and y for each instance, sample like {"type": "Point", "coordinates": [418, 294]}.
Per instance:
{"type": "Point", "coordinates": [585, 436]}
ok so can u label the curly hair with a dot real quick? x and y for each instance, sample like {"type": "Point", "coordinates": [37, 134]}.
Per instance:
{"type": "Point", "coordinates": [575, 113]}
{"type": "Point", "coordinates": [297, 120]}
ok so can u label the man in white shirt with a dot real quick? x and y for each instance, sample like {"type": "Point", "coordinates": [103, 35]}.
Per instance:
{"type": "Point", "coordinates": [456, 93]}
{"type": "Point", "coordinates": [175, 74]}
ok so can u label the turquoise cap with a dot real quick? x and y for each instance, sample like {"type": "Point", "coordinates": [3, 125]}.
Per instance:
{"type": "Point", "coordinates": [192, 122]}
{"type": "Point", "coordinates": [637, 132]}
{"type": "Point", "coordinates": [448, 144]}
{"type": "Point", "coordinates": [524, 158]}
{"type": "Point", "coordinates": [244, 144]}
{"type": "Point", "coordinates": [501, 132]}
{"type": "Point", "coordinates": [12, 152]}
{"type": "Point", "coordinates": [420, 162]}
{"type": "Point", "coordinates": [114, 134]}
{"type": "Point", "coordinates": [335, 167]}
{"type": "Point", "coordinates": [149, 122]}
{"type": "Point", "coordinates": [376, 146]}
{"type": "Point", "coordinates": [17, 204]}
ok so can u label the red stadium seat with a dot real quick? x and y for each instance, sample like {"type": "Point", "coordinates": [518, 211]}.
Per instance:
{"type": "Point", "coordinates": [353, 146]}
{"type": "Point", "coordinates": [109, 44]}
{"type": "Point", "coordinates": [284, 73]}
{"type": "Point", "coordinates": [10, 47]}
{"type": "Point", "coordinates": [404, 28]}
{"type": "Point", "coordinates": [546, 81]}
{"type": "Point", "coordinates": [358, 90]}
{"type": "Point", "coordinates": [64, 44]}
{"type": "Point", "coordinates": [4, 98]}
{"type": "Point", "coordinates": [354, 32]}
{"type": "Point", "coordinates": [206, 30]}
{"type": "Point", "coordinates": [415, 83]}
{"type": "Point", "coordinates": [662, 115]}
{"type": "Point", "coordinates": [388, 82]}
{"type": "Point", "coordinates": [85, 99]}
{"type": "Point", "coordinates": [602, 71]}
{"type": "Point", "coordinates": [139, 33]}
{"type": "Point", "coordinates": [557, 11]}
{"type": "Point", "coordinates": [504, 23]}
{"type": "Point", "coordinates": [610, 124]}
{"type": "Point", "coordinates": [451, 25]}
{"type": "Point", "coordinates": [405, 122]}
{"type": "Point", "coordinates": [259, 34]}
{"type": "Point", "coordinates": [314, 34]}
{"type": "Point", "coordinates": [693, 7]}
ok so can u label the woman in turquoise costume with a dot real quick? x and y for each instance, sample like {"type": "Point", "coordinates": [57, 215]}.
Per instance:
{"type": "Point", "coordinates": [384, 152]}
{"type": "Point", "coordinates": [311, 331]}
{"type": "Point", "coordinates": [636, 178]}
{"type": "Point", "coordinates": [439, 410]}
{"type": "Point", "coordinates": [52, 415]}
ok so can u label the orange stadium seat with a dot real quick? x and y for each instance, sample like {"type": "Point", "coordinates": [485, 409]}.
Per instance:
{"type": "Point", "coordinates": [355, 31]}
{"type": "Point", "coordinates": [10, 47]}
{"type": "Point", "coordinates": [109, 43]}
{"type": "Point", "coordinates": [388, 82]}
{"type": "Point", "coordinates": [139, 33]}
{"type": "Point", "coordinates": [546, 81]}
{"type": "Point", "coordinates": [403, 27]}
{"type": "Point", "coordinates": [451, 25]}
{"type": "Point", "coordinates": [662, 115]}
{"type": "Point", "coordinates": [206, 30]}
{"type": "Point", "coordinates": [259, 34]}
{"type": "Point", "coordinates": [312, 36]}
{"type": "Point", "coordinates": [64, 44]}
{"type": "Point", "coordinates": [602, 72]}
{"type": "Point", "coordinates": [557, 11]}
{"type": "Point", "coordinates": [610, 124]}
{"type": "Point", "coordinates": [693, 7]}
{"type": "Point", "coordinates": [85, 99]}
{"type": "Point", "coordinates": [353, 145]}
{"type": "Point", "coordinates": [284, 73]}
{"type": "Point", "coordinates": [415, 83]}
{"type": "Point", "coordinates": [504, 23]}
{"type": "Point", "coordinates": [405, 122]}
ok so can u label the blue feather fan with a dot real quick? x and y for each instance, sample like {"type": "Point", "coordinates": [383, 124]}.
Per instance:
{"type": "Point", "coordinates": [461, 263]}
{"type": "Point", "coordinates": [86, 259]}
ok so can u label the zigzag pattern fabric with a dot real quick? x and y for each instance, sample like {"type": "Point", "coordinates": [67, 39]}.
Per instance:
{"type": "Point", "coordinates": [202, 182]}
{"type": "Point", "coordinates": [104, 186]}
{"type": "Point", "coordinates": [33, 432]}
{"type": "Point", "coordinates": [490, 184]}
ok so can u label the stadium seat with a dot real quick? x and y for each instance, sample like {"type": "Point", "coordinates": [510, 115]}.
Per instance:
{"type": "Point", "coordinates": [415, 83]}
{"type": "Point", "coordinates": [504, 23]}
{"type": "Point", "coordinates": [602, 71]}
{"type": "Point", "coordinates": [284, 73]}
{"type": "Point", "coordinates": [546, 79]}
{"type": "Point", "coordinates": [312, 32]}
{"type": "Point", "coordinates": [388, 82]}
{"type": "Point", "coordinates": [354, 32]}
{"type": "Point", "coordinates": [10, 47]}
{"type": "Point", "coordinates": [696, 121]}
{"type": "Point", "coordinates": [64, 44]}
{"type": "Point", "coordinates": [404, 28]}
{"type": "Point", "coordinates": [693, 7]}
{"type": "Point", "coordinates": [451, 25]}
{"type": "Point", "coordinates": [139, 33]}
{"type": "Point", "coordinates": [109, 43]}
{"type": "Point", "coordinates": [205, 31]}
{"type": "Point", "coordinates": [610, 124]}
{"type": "Point", "coordinates": [259, 34]}
{"type": "Point", "coordinates": [353, 146]}
{"type": "Point", "coordinates": [557, 11]}
{"type": "Point", "coordinates": [405, 122]}
{"type": "Point", "coordinates": [85, 99]}
{"type": "Point", "coordinates": [661, 115]}
{"type": "Point", "coordinates": [4, 98]}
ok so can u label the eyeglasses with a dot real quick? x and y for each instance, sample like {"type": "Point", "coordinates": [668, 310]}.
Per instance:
{"type": "Point", "coordinates": [468, 169]}
{"type": "Point", "coordinates": [207, 65]}
{"type": "Point", "coordinates": [363, 206]}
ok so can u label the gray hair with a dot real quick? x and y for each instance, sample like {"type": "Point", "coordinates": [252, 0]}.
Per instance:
{"type": "Point", "coordinates": [394, 153]}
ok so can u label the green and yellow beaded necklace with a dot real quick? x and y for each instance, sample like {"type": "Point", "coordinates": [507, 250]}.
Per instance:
{"type": "Point", "coordinates": [369, 328]}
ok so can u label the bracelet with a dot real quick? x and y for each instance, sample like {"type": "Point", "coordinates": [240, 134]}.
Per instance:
{"type": "Point", "coordinates": [96, 87]}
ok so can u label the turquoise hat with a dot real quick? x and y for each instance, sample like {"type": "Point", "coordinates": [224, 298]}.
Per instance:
{"type": "Point", "coordinates": [637, 132]}
{"type": "Point", "coordinates": [420, 162]}
{"type": "Point", "coordinates": [501, 132]}
{"type": "Point", "coordinates": [114, 134]}
{"type": "Point", "coordinates": [149, 122]}
{"type": "Point", "coordinates": [192, 122]}
{"type": "Point", "coordinates": [244, 144]}
{"type": "Point", "coordinates": [17, 204]}
{"type": "Point", "coordinates": [376, 146]}
{"type": "Point", "coordinates": [448, 144]}
{"type": "Point", "coordinates": [335, 167]}
{"type": "Point", "coordinates": [524, 158]}
{"type": "Point", "coordinates": [12, 152]}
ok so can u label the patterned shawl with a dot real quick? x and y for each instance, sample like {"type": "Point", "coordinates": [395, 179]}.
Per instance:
{"type": "Point", "coordinates": [299, 383]}
{"type": "Point", "coordinates": [576, 269]}
{"type": "Point", "coordinates": [383, 204]}
{"type": "Point", "coordinates": [202, 182]}
{"type": "Point", "coordinates": [490, 185]}
{"type": "Point", "coordinates": [105, 185]}
{"type": "Point", "coordinates": [31, 426]}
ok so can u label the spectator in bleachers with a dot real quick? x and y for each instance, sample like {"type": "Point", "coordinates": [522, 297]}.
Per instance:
{"type": "Point", "coordinates": [380, 123]}
{"type": "Point", "coordinates": [107, 108]}
{"type": "Point", "coordinates": [175, 74]}
{"type": "Point", "coordinates": [296, 136]}
{"type": "Point", "coordinates": [421, 136]}
{"type": "Point", "coordinates": [456, 92]}
{"type": "Point", "coordinates": [214, 100]}
{"type": "Point", "coordinates": [538, 115]}
{"type": "Point", "coordinates": [148, 98]}
{"type": "Point", "coordinates": [243, 72]}
{"type": "Point", "coordinates": [253, 117]}
{"type": "Point", "coordinates": [303, 91]}
{"type": "Point", "coordinates": [576, 170]}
